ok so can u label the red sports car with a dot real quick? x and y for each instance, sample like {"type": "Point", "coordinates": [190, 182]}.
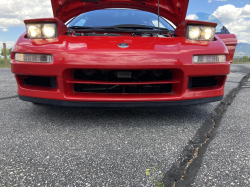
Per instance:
{"type": "Point", "coordinates": [122, 53]}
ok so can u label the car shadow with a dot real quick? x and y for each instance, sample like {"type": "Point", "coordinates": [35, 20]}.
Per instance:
{"type": "Point", "coordinates": [77, 117]}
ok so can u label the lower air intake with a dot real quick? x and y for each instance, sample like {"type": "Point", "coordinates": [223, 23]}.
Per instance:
{"type": "Point", "coordinates": [199, 82]}
{"type": "Point", "coordinates": [40, 81]}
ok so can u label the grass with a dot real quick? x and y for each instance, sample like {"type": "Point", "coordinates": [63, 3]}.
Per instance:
{"type": "Point", "coordinates": [2, 65]}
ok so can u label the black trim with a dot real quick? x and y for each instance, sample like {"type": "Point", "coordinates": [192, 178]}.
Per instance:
{"type": "Point", "coordinates": [119, 104]}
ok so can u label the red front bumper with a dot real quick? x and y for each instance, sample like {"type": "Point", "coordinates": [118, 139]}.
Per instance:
{"type": "Point", "coordinates": [66, 92]}
{"type": "Point", "coordinates": [71, 54]}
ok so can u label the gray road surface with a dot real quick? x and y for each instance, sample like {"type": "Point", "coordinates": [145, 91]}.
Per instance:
{"type": "Point", "coordinates": [227, 160]}
{"type": "Point", "coordinates": [60, 146]}
{"type": "Point", "coordinates": [243, 68]}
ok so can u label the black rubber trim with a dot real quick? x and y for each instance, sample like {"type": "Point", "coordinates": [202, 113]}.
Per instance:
{"type": "Point", "coordinates": [119, 104]}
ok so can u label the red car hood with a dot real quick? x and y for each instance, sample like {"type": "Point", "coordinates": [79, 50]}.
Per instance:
{"type": "Point", "coordinates": [173, 10]}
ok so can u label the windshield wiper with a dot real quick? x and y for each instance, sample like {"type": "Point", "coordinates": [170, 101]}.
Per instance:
{"type": "Point", "coordinates": [122, 26]}
{"type": "Point", "coordinates": [135, 26]}
{"type": "Point", "coordinates": [81, 27]}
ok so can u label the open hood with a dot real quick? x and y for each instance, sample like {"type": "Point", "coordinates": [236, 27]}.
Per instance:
{"type": "Point", "coordinates": [173, 10]}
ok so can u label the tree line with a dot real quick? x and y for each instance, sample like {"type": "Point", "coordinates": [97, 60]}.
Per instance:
{"type": "Point", "coordinates": [242, 59]}
{"type": "Point", "coordinates": [246, 58]}
{"type": "Point", "coordinates": [8, 52]}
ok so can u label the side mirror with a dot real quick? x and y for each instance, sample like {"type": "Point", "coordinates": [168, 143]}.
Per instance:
{"type": "Point", "coordinates": [224, 29]}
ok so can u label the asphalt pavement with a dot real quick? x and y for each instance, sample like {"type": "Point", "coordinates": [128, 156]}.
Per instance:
{"type": "Point", "coordinates": [227, 160]}
{"type": "Point", "coordinates": [58, 146]}
{"type": "Point", "coordinates": [243, 68]}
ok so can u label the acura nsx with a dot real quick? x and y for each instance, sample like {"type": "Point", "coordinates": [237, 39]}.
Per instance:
{"type": "Point", "coordinates": [122, 53]}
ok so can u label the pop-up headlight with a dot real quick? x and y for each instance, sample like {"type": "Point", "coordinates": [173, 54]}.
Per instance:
{"type": "Point", "coordinates": [202, 33]}
{"type": "Point", "coordinates": [41, 31]}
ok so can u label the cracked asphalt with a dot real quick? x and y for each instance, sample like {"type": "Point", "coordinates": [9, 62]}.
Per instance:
{"type": "Point", "coordinates": [227, 160]}
{"type": "Point", "coordinates": [58, 146]}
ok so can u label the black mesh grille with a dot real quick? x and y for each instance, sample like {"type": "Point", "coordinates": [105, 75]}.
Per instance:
{"type": "Point", "coordinates": [198, 82]}
{"type": "Point", "coordinates": [96, 88]}
{"type": "Point", "coordinates": [40, 81]}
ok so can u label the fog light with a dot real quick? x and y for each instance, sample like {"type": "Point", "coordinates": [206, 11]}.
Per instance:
{"type": "Point", "coordinates": [39, 58]}
{"type": "Point", "coordinates": [209, 59]}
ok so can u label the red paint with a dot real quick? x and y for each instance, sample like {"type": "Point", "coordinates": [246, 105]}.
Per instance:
{"type": "Point", "coordinates": [174, 10]}
{"type": "Point", "coordinates": [89, 52]}
{"type": "Point", "coordinates": [102, 52]}
{"type": "Point", "coordinates": [230, 40]}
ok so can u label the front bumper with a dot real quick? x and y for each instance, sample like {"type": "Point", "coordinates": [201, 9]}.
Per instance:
{"type": "Point", "coordinates": [74, 53]}
{"type": "Point", "coordinates": [181, 92]}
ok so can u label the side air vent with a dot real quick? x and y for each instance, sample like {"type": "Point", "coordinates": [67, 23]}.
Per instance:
{"type": "Point", "coordinates": [40, 81]}
{"type": "Point", "coordinates": [199, 82]}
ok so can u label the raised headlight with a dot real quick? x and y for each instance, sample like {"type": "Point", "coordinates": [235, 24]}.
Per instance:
{"type": "Point", "coordinates": [194, 33]}
{"type": "Point", "coordinates": [49, 30]}
{"type": "Point", "coordinates": [207, 33]}
{"type": "Point", "coordinates": [202, 33]}
{"type": "Point", "coordinates": [34, 31]}
{"type": "Point", "coordinates": [41, 31]}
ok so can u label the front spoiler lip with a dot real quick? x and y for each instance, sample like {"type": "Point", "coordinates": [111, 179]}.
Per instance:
{"type": "Point", "coordinates": [119, 104]}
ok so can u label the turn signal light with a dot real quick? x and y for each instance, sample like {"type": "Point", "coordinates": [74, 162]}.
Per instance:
{"type": "Point", "coordinates": [38, 58]}
{"type": "Point", "coordinates": [203, 59]}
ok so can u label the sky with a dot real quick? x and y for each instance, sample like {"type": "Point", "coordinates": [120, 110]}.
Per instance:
{"type": "Point", "coordinates": [234, 14]}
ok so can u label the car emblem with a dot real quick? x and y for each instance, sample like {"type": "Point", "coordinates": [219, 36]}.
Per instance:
{"type": "Point", "coordinates": [123, 45]}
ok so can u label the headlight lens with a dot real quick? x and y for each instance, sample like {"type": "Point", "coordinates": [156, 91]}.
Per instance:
{"type": "Point", "coordinates": [194, 33]}
{"type": "Point", "coordinates": [203, 59]}
{"type": "Point", "coordinates": [49, 30]}
{"type": "Point", "coordinates": [41, 31]}
{"type": "Point", "coordinates": [39, 58]}
{"type": "Point", "coordinates": [207, 33]}
{"type": "Point", "coordinates": [34, 31]}
{"type": "Point", "coordinates": [200, 33]}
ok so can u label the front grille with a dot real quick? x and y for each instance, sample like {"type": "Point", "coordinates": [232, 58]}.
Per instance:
{"type": "Point", "coordinates": [123, 81]}
{"type": "Point", "coordinates": [102, 88]}
{"type": "Point", "coordinates": [123, 75]}
{"type": "Point", "coordinates": [198, 82]}
{"type": "Point", "coordinates": [40, 81]}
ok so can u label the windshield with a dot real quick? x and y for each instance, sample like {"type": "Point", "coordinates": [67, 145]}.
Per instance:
{"type": "Point", "coordinates": [211, 18]}
{"type": "Point", "coordinates": [112, 17]}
